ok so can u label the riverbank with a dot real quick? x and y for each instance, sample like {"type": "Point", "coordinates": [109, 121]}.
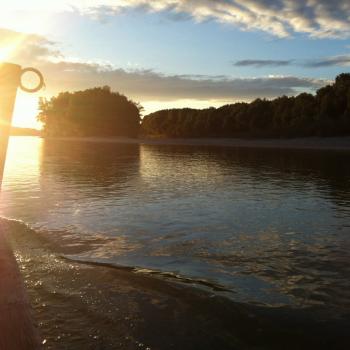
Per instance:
{"type": "Point", "coordinates": [307, 143]}
{"type": "Point", "coordinates": [91, 306]}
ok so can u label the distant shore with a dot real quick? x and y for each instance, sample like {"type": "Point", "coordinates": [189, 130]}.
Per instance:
{"type": "Point", "coordinates": [307, 143]}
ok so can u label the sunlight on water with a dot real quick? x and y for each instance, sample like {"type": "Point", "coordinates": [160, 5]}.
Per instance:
{"type": "Point", "coordinates": [23, 160]}
{"type": "Point", "coordinates": [22, 175]}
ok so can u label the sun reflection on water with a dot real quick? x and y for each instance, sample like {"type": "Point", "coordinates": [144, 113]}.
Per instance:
{"type": "Point", "coordinates": [21, 175]}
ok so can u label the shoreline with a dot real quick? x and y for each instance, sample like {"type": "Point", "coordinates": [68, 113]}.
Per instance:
{"type": "Point", "coordinates": [307, 143]}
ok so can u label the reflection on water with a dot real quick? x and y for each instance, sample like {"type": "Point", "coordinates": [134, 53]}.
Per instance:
{"type": "Point", "coordinates": [271, 226]}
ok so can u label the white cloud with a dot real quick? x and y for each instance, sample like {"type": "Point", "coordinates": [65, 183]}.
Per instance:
{"type": "Point", "coordinates": [282, 18]}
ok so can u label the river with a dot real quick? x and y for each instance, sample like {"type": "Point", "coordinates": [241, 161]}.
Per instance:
{"type": "Point", "coordinates": [269, 228]}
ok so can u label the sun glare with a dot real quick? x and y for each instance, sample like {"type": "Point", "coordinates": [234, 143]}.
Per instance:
{"type": "Point", "coordinates": [25, 112]}
{"type": "Point", "coordinates": [5, 53]}
{"type": "Point", "coordinates": [8, 47]}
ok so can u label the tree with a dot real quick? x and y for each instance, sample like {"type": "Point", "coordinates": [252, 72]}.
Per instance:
{"type": "Point", "coordinates": [92, 112]}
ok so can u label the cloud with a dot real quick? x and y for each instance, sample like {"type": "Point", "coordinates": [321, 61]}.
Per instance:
{"type": "Point", "coordinates": [262, 63]}
{"type": "Point", "coordinates": [24, 48]}
{"type": "Point", "coordinates": [150, 85]}
{"type": "Point", "coordinates": [334, 61]}
{"type": "Point", "coordinates": [342, 61]}
{"type": "Point", "coordinates": [145, 85]}
{"type": "Point", "coordinates": [282, 18]}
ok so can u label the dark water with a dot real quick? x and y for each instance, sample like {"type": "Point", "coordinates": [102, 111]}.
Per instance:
{"type": "Point", "coordinates": [260, 227]}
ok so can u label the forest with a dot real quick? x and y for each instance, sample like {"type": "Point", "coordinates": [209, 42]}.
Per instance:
{"type": "Point", "coordinates": [326, 113]}
{"type": "Point", "coordinates": [92, 112]}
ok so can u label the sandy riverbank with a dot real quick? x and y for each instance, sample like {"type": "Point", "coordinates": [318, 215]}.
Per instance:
{"type": "Point", "coordinates": [310, 143]}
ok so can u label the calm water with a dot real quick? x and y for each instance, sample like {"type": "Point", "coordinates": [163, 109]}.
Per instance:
{"type": "Point", "coordinates": [269, 227]}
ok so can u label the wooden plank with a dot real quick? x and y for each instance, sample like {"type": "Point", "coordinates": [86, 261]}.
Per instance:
{"type": "Point", "coordinates": [16, 325]}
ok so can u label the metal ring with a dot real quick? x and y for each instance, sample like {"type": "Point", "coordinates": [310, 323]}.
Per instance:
{"type": "Point", "coordinates": [41, 80]}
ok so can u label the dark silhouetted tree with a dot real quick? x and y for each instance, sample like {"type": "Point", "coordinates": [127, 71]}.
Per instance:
{"type": "Point", "coordinates": [93, 112]}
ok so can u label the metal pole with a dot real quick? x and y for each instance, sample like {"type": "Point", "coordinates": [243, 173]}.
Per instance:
{"type": "Point", "coordinates": [10, 80]}
{"type": "Point", "coordinates": [10, 75]}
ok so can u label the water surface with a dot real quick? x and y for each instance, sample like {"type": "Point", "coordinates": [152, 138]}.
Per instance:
{"type": "Point", "coordinates": [266, 227]}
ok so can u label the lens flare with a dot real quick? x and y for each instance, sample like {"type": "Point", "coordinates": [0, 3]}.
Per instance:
{"type": "Point", "coordinates": [8, 47]}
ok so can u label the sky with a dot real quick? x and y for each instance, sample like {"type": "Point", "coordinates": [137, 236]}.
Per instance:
{"type": "Point", "coordinates": [165, 54]}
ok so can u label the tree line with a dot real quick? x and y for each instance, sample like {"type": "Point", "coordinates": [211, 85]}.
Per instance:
{"type": "Point", "coordinates": [101, 112]}
{"type": "Point", "coordinates": [324, 114]}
